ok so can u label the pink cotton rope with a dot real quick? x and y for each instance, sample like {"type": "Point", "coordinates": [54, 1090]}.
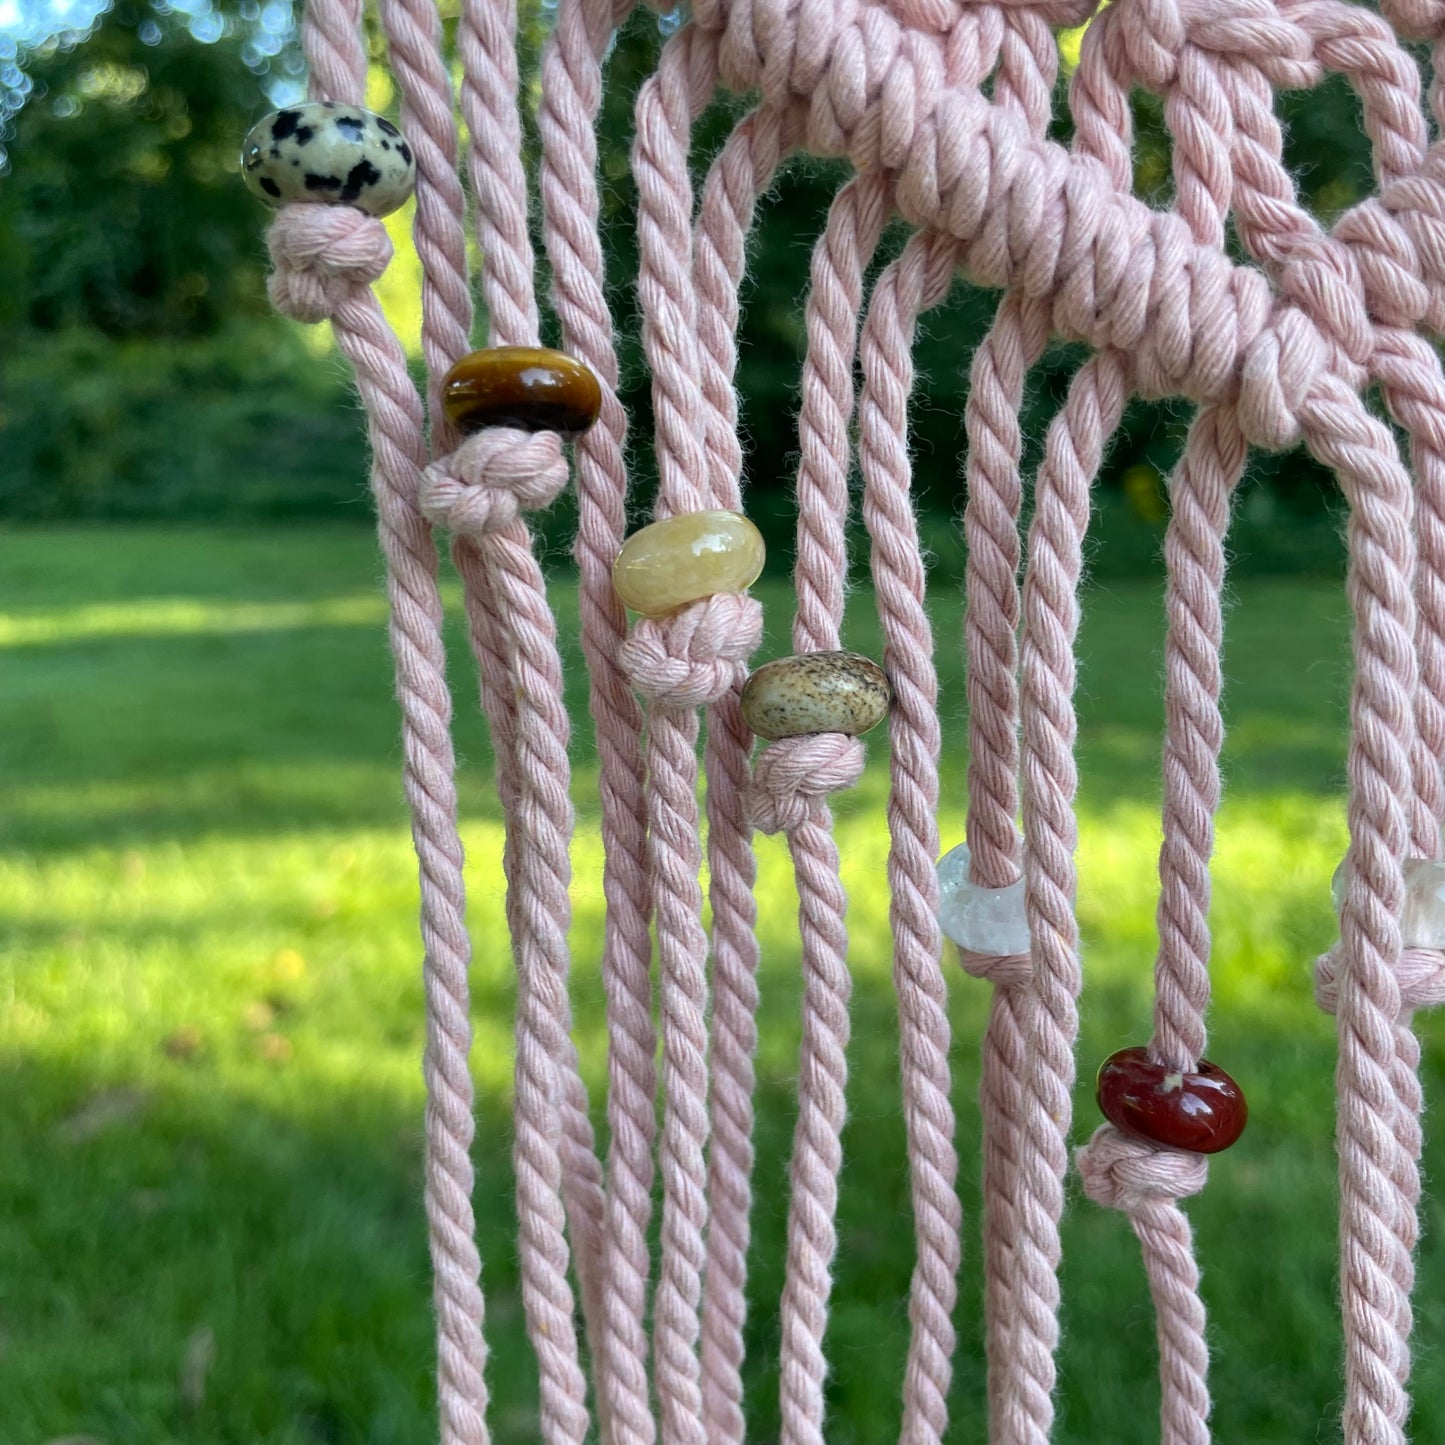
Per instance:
{"type": "Point", "coordinates": [325, 262]}
{"type": "Point", "coordinates": [476, 492]}
{"type": "Point", "coordinates": [1143, 1180]}
{"type": "Point", "coordinates": [571, 98]}
{"type": "Point", "coordinates": [917, 280]}
{"type": "Point", "coordinates": [1028, 64]}
{"type": "Point", "coordinates": [690, 659]}
{"type": "Point", "coordinates": [527, 748]}
{"type": "Point", "coordinates": [743, 170]}
{"type": "Point", "coordinates": [943, 110]}
{"type": "Point", "coordinates": [791, 781]}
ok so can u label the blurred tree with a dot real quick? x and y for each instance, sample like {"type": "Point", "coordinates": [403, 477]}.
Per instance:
{"type": "Point", "coordinates": [122, 216]}
{"type": "Point", "coordinates": [122, 210]}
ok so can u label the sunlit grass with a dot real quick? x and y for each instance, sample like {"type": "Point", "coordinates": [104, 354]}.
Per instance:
{"type": "Point", "coordinates": [210, 1018]}
{"type": "Point", "coordinates": [174, 616]}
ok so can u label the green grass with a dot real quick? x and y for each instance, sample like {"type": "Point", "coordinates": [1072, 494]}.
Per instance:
{"type": "Point", "coordinates": [210, 1018]}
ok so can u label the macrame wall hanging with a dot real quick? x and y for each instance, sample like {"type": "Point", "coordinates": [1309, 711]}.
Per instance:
{"type": "Point", "coordinates": [942, 108]}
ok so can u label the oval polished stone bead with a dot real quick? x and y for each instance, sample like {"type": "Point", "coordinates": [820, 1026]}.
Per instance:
{"type": "Point", "coordinates": [324, 151]}
{"type": "Point", "coordinates": [1201, 1112]}
{"type": "Point", "coordinates": [528, 387]}
{"type": "Point", "coordinates": [816, 692]}
{"type": "Point", "coordinates": [686, 558]}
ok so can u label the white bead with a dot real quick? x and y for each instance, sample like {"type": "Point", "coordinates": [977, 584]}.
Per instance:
{"type": "Point", "coordinates": [1422, 918]}
{"type": "Point", "coordinates": [983, 920]}
{"type": "Point", "coordinates": [1422, 924]}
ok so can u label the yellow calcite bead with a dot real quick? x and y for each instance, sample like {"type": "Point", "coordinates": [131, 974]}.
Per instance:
{"type": "Point", "coordinates": [685, 558]}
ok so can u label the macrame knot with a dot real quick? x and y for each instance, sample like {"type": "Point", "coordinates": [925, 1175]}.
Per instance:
{"type": "Point", "coordinates": [936, 17]}
{"type": "Point", "coordinates": [1063, 14]}
{"type": "Point", "coordinates": [1280, 369]}
{"type": "Point", "coordinates": [1119, 1172]}
{"type": "Point", "coordinates": [1379, 240]}
{"type": "Point", "coordinates": [1421, 976]}
{"type": "Point", "coordinates": [792, 776]}
{"type": "Point", "coordinates": [323, 256]}
{"type": "Point", "coordinates": [1153, 33]}
{"type": "Point", "coordinates": [1415, 19]}
{"type": "Point", "coordinates": [696, 655]}
{"type": "Point", "coordinates": [1322, 278]}
{"type": "Point", "coordinates": [1259, 32]}
{"type": "Point", "coordinates": [491, 479]}
{"type": "Point", "coordinates": [1003, 970]}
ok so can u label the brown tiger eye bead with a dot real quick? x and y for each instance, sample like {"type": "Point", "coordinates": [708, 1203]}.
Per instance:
{"type": "Point", "coordinates": [1201, 1112]}
{"type": "Point", "coordinates": [527, 387]}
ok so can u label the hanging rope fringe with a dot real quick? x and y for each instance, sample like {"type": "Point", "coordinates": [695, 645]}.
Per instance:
{"type": "Point", "coordinates": [943, 109]}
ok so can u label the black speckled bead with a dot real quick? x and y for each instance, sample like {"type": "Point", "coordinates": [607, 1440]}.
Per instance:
{"type": "Point", "coordinates": [337, 155]}
{"type": "Point", "coordinates": [816, 692]}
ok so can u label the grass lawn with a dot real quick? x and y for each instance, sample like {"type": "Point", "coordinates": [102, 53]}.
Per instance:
{"type": "Point", "coordinates": [210, 1019]}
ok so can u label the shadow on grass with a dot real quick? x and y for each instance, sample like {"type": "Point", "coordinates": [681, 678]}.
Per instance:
{"type": "Point", "coordinates": [145, 1199]}
{"type": "Point", "coordinates": [110, 741]}
{"type": "Point", "coordinates": [146, 1210]}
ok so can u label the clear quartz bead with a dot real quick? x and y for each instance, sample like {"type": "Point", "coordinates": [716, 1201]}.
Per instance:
{"type": "Point", "coordinates": [989, 921]}
{"type": "Point", "coordinates": [1422, 919]}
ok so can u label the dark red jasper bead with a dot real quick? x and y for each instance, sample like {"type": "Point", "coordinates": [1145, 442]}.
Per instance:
{"type": "Point", "coordinates": [1202, 1112]}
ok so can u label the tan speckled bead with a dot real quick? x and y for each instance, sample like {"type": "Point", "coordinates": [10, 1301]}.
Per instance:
{"type": "Point", "coordinates": [816, 692]}
{"type": "Point", "coordinates": [686, 558]}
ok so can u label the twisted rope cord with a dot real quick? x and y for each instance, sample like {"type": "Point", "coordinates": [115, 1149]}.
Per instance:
{"type": "Point", "coordinates": [917, 280]}
{"type": "Point", "coordinates": [1213, 462]}
{"type": "Point", "coordinates": [991, 527]}
{"type": "Point", "coordinates": [413, 33]}
{"type": "Point", "coordinates": [1375, 1261]}
{"type": "Point", "coordinates": [335, 50]}
{"type": "Point", "coordinates": [854, 224]}
{"type": "Point", "coordinates": [789, 784]}
{"type": "Point", "coordinates": [1410, 374]}
{"type": "Point", "coordinates": [830, 318]}
{"type": "Point", "coordinates": [414, 41]}
{"type": "Point", "coordinates": [571, 98]}
{"type": "Point", "coordinates": [1409, 371]}
{"type": "Point", "coordinates": [1414, 391]}
{"type": "Point", "coordinates": [1027, 216]}
{"type": "Point", "coordinates": [558, 1178]}
{"type": "Point", "coordinates": [331, 38]}
{"type": "Point", "coordinates": [1275, 228]}
{"type": "Point", "coordinates": [415, 633]}
{"type": "Point", "coordinates": [1199, 118]}
{"type": "Point", "coordinates": [664, 110]}
{"type": "Point", "coordinates": [742, 172]}
{"type": "Point", "coordinates": [1015, 342]}
{"type": "Point", "coordinates": [817, 1138]}
{"type": "Point", "coordinates": [1073, 451]}
{"type": "Point", "coordinates": [1023, 1171]}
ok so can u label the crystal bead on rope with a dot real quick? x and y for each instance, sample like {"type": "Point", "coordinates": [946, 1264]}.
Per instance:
{"type": "Point", "coordinates": [989, 921]}
{"type": "Point", "coordinates": [1422, 918]}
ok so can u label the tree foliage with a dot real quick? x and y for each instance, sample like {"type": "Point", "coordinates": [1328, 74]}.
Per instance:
{"type": "Point", "coordinates": [122, 211]}
{"type": "Point", "coordinates": [123, 218]}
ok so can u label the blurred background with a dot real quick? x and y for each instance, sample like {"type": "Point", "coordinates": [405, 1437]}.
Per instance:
{"type": "Point", "coordinates": [210, 1009]}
